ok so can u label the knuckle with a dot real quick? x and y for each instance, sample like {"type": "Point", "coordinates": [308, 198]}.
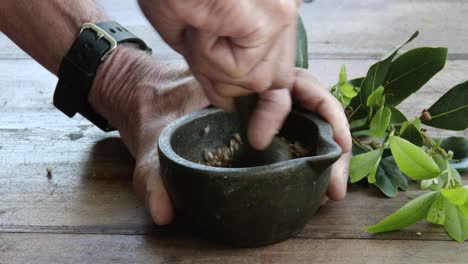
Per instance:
{"type": "Point", "coordinates": [320, 103]}
{"type": "Point", "coordinates": [286, 79]}
{"type": "Point", "coordinates": [260, 84]}
{"type": "Point", "coordinates": [287, 9]}
{"type": "Point", "coordinates": [277, 102]}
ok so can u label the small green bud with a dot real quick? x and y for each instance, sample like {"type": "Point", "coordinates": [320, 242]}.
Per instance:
{"type": "Point", "coordinates": [449, 154]}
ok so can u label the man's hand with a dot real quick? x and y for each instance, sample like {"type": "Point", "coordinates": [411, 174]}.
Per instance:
{"type": "Point", "coordinates": [140, 96]}
{"type": "Point", "coordinates": [234, 47]}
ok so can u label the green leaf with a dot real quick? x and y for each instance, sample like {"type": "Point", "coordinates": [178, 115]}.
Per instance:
{"type": "Point", "coordinates": [413, 135]}
{"type": "Point", "coordinates": [441, 181]}
{"type": "Point", "coordinates": [361, 133]}
{"type": "Point", "coordinates": [358, 123]}
{"type": "Point", "coordinates": [363, 164]}
{"type": "Point", "coordinates": [455, 174]}
{"type": "Point", "coordinates": [389, 178]}
{"type": "Point", "coordinates": [357, 82]}
{"type": "Point", "coordinates": [451, 110]}
{"type": "Point", "coordinates": [347, 90]}
{"type": "Point", "coordinates": [464, 209]}
{"type": "Point", "coordinates": [426, 184]}
{"type": "Point", "coordinates": [458, 145]}
{"type": "Point", "coordinates": [397, 116]}
{"type": "Point", "coordinates": [357, 149]}
{"type": "Point", "coordinates": [302, 55]}
{"type": "Point", "coordinates": [456, 224]}
{"type": "Point", "coordinates": [409, 214]}
{"type": "Point", "coordinates": [343, 77]}
{"type": "Point", "coordinates": [438, 183]}
{"type": "Point", "coordinates": [371, 177]}
{"type": "Point", "coordinates": [343, 91]}
{"type": "Point", "coordinates": [436, 214]}
{"type": "Point", "coordinates": [377, 72]}
{"type": "Point", "coordinates": [410, 71]}
{"type": "Point", "coordinates": [380, 122]}
{"type": "Point", "coordinates": [415, 122]}
{"type": "Point", "coordinates": [440, 162]}
{"type": "Point", "coordinates": [375, 98]}
{"type": "Point", "coordinates": [412, 160]}
{"type": "Point", "coordinates": [456, 196]}
{"type": "Point", "coordinates": [355, 104]}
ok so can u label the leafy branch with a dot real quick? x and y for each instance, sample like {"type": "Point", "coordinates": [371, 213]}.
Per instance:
{"type": "Point", "coordinates": [412, 151]}
{"type": "Point", "coordinates": [388, 148]}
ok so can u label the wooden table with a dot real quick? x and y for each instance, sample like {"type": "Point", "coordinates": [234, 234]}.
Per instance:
{"type": "Point", "coordinates": [87, 212]}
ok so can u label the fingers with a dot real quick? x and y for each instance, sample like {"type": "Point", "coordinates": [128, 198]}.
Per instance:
{"type": "Point", "coordinates": [149, 187]}
{"type": "Point", "coordinates": [216, 99]}
{"type": "Point", "coordinates": [165, 21]}
{"type": "Point", "coordinates": [272, 109]}
{"type": "Point", "coordinates": [250, 23]}
{"type": "Point", "coordinates": [255, 69]}
{"type": "Point", "coordinates": [309, 92]}
{"type": "Point", "coordinates": [339, 178]}
{"type": "Point", "coordinates": [315, 98]}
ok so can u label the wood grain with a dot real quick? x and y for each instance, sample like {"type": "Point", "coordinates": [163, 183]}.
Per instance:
{"type": "Point", "coordinates": [87, 212]}
{"type": "Point", "coordinates": [52, 248]}
{"type": "Point", "coordinates": [90, 191]}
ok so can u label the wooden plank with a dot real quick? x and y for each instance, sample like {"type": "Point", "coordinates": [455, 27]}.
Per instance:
{"type": "Point", "coordinates": [90, 191]}
{"type": "Point", "coordinates": [363, 28]}
{"type": "Point", "coordinates": [336, 29]}
{"type": "Point", "coordinates": [105, 205]}
{"type": "Point", "coordinates": [26, 91]}
{"type": "Point", "coordinates": [49, 248]}
{"type": "Point", "coordinates": [24, 84]}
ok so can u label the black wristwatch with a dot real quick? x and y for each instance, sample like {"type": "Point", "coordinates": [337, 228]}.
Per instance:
{"type": "Point", "coordinates": [78, 69]}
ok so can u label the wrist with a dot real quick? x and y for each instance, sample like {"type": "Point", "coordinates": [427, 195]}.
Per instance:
{"type": "Point", "coordinates": [110, 92]}
{"type": "Point", "coordinates": [138, 94]}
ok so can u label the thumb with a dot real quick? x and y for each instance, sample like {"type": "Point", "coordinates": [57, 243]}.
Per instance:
{"type": "Point", "coordinates": [149, 187]}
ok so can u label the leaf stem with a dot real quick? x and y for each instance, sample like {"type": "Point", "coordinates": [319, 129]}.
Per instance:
{"type": "Point", "coordinates": [354, 112]}
{"type": "Point", "coordinates": [361, 127]}
{"type": "Point", "coordinates": [450, 180]}
{"type": "Point", "coordinates": [433, 144]}
{"type": "Point", "coordinates": [359, 144]}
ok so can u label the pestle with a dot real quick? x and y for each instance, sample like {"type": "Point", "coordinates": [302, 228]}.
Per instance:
{"type": "Point", "coordinates": [277, 151]}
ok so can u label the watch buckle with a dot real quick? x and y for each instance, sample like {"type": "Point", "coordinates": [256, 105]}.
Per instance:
{"type": "Point", "coordinates": [101, 34]}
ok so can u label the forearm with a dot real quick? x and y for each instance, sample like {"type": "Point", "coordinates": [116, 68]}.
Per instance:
{"type": "Point", "coordinates": [46, 29]}
{"type": "Point", "coordinates": [124, 83]}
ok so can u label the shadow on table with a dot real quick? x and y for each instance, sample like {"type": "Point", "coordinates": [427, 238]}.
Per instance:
{"type": "Point", "coordinates": [109, 159]}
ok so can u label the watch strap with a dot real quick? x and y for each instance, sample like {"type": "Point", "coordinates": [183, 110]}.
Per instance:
{"type": "Point", "coordinates": [78, 68]}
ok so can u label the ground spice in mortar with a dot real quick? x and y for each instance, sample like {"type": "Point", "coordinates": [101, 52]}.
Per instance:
{"type": "Point", "coordinates": [296, 148]}
{"type": "Point", "coordinates": [223, 156]}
